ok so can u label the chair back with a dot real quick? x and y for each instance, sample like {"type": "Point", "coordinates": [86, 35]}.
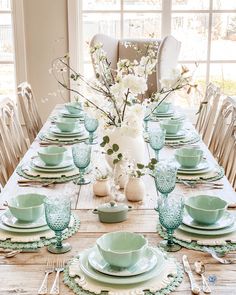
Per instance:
{"type": "Point", "coordinates": [29, 110]}
{"type": "Point", "coordinates": [207, 112]}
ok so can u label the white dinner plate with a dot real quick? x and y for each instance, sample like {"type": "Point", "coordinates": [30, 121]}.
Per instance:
{"type": "Point", "coordinates": [90, 272]}
{"type": "Point", "coordinates": [199, 172]}
{"type": "Point", "coordinates": [146, 263]}
{"type": "Point", "coordinates": [9, 220]}
{"type": "Point", "coordinates": [52, 170]}
{"type": "Point", "coordinates": [226, 220]}
{"type": "Point", "coordinates": [201, 166]}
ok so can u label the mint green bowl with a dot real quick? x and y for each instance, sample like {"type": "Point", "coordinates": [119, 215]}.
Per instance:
{"type": "Point", "coordinates": [66, 124]}
{"type": "Point", "coordinates": [163, 108]}
{"type": "Point", "coordinates": [74, 108]}
{"type": "Point", "coordinates": [205, 209]}
{"type": "Point", "coordinates": [121, 249]}
{"type": "Point", "coordinates": [27, 207]}
{"type": "Point", "coordinates": [189, 157]}
{"type": "Point", "coordinates": [52, 155]}
{"type": "Point", "coordinates": [171, 126]}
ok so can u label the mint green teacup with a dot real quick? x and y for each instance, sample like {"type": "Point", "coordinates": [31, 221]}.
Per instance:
{"type": "Point", "coordinates": [66, 124]}
{"type": "Point", "coordinates": [27, 207]}
{"type": "Point", "coordinates": [189, 157]}
{"type": "Point", "coordinates": [52, 155]}
{"type": "Point", "coordinates": [171, 126]}
{"type": "Point", "coordinates": [163, 107]}
{"type": "Point", "coordinates": [122, 249]}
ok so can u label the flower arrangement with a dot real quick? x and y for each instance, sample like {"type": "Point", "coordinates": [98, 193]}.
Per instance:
{"type": "Point", "coordinates": [138, 169]}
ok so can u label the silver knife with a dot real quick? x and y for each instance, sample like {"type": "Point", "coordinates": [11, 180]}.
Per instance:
{"type": "Point", "coordinates": [194, 287]}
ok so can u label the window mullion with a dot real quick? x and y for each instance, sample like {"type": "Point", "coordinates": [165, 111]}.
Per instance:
{"type": "Point", "coordinates": [166, 18]}
{"type": "Point", "coordinates": [121, 19]}
{"type": "Point", "coordinates": [209, 43]}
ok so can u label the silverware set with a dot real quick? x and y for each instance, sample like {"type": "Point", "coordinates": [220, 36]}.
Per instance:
{"type": "Point", "coordinates": [218, 256]}
{"type": "Point", "coordinates": [9, 253]}
{"type": "Point", "coordinates": [205, 184]}
{"type": "Point", "coordinates": [36, 183]}
{"type": "Point", "coordinates": [52, 267]}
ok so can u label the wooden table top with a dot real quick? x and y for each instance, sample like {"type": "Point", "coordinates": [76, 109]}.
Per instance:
{"type": "Point", "coordinates": [24, 273]}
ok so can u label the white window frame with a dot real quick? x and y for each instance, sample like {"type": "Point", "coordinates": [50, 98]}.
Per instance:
{"type": "Point", "coordinates": [76, 28]}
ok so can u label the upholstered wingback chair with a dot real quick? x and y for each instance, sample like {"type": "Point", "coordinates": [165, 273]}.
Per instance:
{"type": "Point", "coordinates": [167, 51]}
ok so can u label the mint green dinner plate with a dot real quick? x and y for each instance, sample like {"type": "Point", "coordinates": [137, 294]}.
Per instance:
{"type": "Point", "coordinates": [145, 264]}
{"type": "Point", "coordinates": [53, 137]}
{"type": "Point", "coordinates": [167, 114]}
{"type": "Point", "coordinates": [226, 220]}
{"type": "Point", "coordinates": [201, 166]}
{"type": "Point", "coordinates": [66, 114]}
{"type": "Point", "coordinates": [68, 161]}
{"type": "Point", "coordinates": [52, 170]}
{"type": "Point", "coordinates": [93, 274]}
{"type": "Point", "coordinates": [178, 135]}
{"type": "Point", "coordinates": [76, 132]}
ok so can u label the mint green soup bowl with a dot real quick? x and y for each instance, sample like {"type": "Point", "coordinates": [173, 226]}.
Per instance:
{"type": "Point", "coordinates": [74, 108]}
{"type": "Point", "coordinates": [205, 209]}
{"type": "Point", "coordinates": [171, 126]}
{"type": "Point", "coordinates": [27, 207]}
{"type": "Point", "coordinates": [52, 155]}
{"type": "Point", "coordinates": [163, 108]}
{"type": "Point", "coordinates": [121, 249]}
{"type": "Point", "coordinates": [66, 124]}
{"type": "Point", "coordinates": [189, 157]}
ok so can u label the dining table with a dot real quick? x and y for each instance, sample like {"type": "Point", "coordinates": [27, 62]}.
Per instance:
{"type": "Point", "coordinates": [23, 274]}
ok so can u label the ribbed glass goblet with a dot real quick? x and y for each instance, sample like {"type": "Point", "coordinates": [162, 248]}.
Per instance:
{"type": "Point", "coordinates": [91, 126]}
{"type": "Point", "coordinates": [58, 213]}
{"type": "Point", "coordinates": [157, 140]}
{"type": "Point", "coordinates": [171, 211]}
{"type": "Point", "coordinates": [82, 155]}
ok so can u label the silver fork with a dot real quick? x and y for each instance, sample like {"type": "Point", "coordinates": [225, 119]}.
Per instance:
{"type": "Point", "coordinates": [44, 286]}
{"type": "Point", "coordinates": [220, 259]}
{"type": "Point", "coordinates": [56, 284]}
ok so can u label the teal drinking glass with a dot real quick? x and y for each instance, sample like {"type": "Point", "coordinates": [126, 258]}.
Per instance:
{"type": "Point", "coordinates": [171, 210]}
{"type": "Point", "coordinates": [58, 213]}
{"type": "Point", "coordinates": [91, 126]}
{"type": "Point", "coordinates": [157, 140]}
{"type": "Point", "coordinates": [165, 177]}
{"type": "Point", "coordinates": [82, 155]}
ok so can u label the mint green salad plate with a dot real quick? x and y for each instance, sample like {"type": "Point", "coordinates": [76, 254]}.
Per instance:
{"type": "Point", "coordinates": [145, 264]}
{"type": "Point", "coordinates": [201, 166]}
{"type": "Point", "coordinates": [178, 135]}
{"type": "Point", "coordinates": [57, 131]}
{"type": "Point", "coordinates": [56, 170]}
{"type": "Point", "coordinates": [66, 114]}
{"type": "Point", "coordinates": [226, 220]}
{"type": "Point", "coordinates": [68, 161]}
{"type": "Point", "coordinates": [169, 113]}
{"type": "Point", "coordinates": [93, 274]}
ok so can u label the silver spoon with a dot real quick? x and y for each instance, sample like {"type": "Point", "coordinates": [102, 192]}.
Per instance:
{"type": "Point", "coordinates": [200, 269]}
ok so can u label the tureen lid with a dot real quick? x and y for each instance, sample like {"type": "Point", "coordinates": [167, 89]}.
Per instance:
{"type": "Point", "coordinates": [113, 207]}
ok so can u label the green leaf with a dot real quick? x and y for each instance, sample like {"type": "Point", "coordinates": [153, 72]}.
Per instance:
{"type": "Point", "coordinates": [102, 144]}
{"type": "Point", "coordinates": [106, 139]}
{"type": "Point", "coordinates": [119, 156]}
{"type": "Point", "coordinates": [115, 161]}
{"type": "Point", "coordinates": [115, 147]}
{"type": "Point", "coordinates": [153, 161]}
{"type": "Point", "coordinates": [109, 151]}
{"type": "Point", "coordinates": [139, 173]}
{"type": "Point", "coordinates": [140, 166]}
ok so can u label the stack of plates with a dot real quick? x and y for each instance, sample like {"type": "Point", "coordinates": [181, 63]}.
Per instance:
{"type": "Point", "coordinates": [223, 226]}
{"type": "Point", "coordinates": [150, 265]}
{"type": "Point", "coordinates": [38, 165]}
{"type": "Point", "coordinates": [201, 168]}
{"type": "Point", "coordinates": [66, 114]}
{"type": "Point", "coordinates": [167, 114]}
{"type": "Point", "coordinates": [77, 132]}
{"type": "Point", "coordinates": [179, 135]}
{"type": "Point", "coordinates": [9, 223]}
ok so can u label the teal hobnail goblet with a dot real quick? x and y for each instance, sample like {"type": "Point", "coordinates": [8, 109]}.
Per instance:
{"type": "Point", "coordinates": [165, 177]}
{"type": "Point", "coordinates": [81, 155]}
{"type": "Point", "coordinates": [58, 213]}
{"type": "Point", "coordinates": [171, 210]}
{"type": "Point", "coordinates": [91, 125]}
{"type": "Point", "coordinates": [157, 140]}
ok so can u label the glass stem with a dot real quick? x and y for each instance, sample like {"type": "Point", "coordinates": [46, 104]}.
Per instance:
{"type": "Point", "coordinates": [145, 125]}
{"type": "Point", "coordinates": [90, 137]}
{"type": "Point", "coordinates": [81, 174]}
{"type": "Point", "coordinates": [59, 239]}
{"type": "Point", "coordinates": [157, 155]}
{"type": "Point", "coordinates": [164, 196]}
{"type": "Point", "coordinates": [170, 237]}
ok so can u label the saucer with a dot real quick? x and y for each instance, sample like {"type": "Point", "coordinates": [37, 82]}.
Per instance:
{"type": "Point", "coordinates": [10, 220]}
{"type": "Point", "coordinates": [226, 220]}
{"type": "Point", "coordinates": [145, 264]}
{"type": "Point", "coordinates": [90, 272]}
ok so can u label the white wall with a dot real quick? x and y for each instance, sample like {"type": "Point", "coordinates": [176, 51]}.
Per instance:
{"type": "Point", "coordinates": [46, 38]}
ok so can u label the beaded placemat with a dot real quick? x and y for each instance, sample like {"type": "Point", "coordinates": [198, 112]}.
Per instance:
{"type": "Point", "coordinates": [11, 240]}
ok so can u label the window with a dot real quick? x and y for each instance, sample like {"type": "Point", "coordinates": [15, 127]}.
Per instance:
{"type": "Point", "coordinates": [7, 70]}
{"type": "Point", "coordinates": [206, 28]}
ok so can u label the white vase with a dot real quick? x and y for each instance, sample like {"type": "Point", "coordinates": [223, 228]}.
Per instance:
{"type": "Point", "coordinates": [135, 189]}
{"type": "Point", "coordinates": [101, 187]}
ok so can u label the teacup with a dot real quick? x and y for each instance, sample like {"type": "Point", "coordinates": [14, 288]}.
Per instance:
{"type": "Point", "coordinates": [74, 108]}
{"type": "Point", "coordinates": [27, 207]}
{"type": "Point", "coordinates": [171, 126]}
{"type": "Point", "coordinates": [163, 107]}
{"type": "Point", "coordinates": [52, 155]}
{"type": "Point", "coordinates": [66, 124]}
{"type": "Point", "coordinates": [189, 157]}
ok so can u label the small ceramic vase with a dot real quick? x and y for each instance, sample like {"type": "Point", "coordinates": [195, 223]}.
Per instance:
{"type": "Point", "coordinates": [135, 189]}
{"type": "Point", "coordinates": [101, 187]}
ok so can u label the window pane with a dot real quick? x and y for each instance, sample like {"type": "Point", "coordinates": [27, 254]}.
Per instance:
{"type": "Point", "coordinates": [224, 4]}
{"type": "Point", "coordinates": [7, 79]}
{"type": "Point", "coordinates": [192, 30]}
{"type": "Point", "coordinates": [190, 4]}
{"type": "Point", "coordinates": [141, 25]}
{"type": "Point", "coordinates": [5, 5]}
{"type": "Point", "coordinates": [6, 40]}
{"type": "Point", "coordinates": [223, 36]}
{"type": "Point", "coordinates": [96, 23]}
{"type": "Point", "coordinates": [142, 4]}
{"type": "Point", "coordinates": [224, 76]}
{"type": "Point", "coordinates": [101, 4]}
